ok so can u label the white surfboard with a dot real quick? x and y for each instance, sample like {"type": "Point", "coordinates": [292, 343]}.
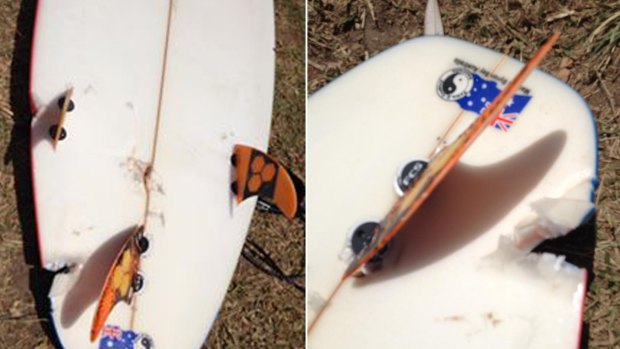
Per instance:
{"type": "Point", "coordinates": [459, 274]}
{"type": "Point", "coordinates": [179, 82]}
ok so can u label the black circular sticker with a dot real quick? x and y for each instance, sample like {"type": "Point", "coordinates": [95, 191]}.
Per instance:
{"type": "Point", "coordinates": [52, 132]}
{"type": "Point", "coordinates": [408, 174]}
{"type": "Point", "coordinates": [362, 236]}
{"type": "Point", "coordinates": [145, 342]}
{"type": "Point", "coordinates": [455, 84]}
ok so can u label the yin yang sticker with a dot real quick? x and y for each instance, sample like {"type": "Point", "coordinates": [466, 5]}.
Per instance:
{"type": "Point", "coordinates": [455, 84]}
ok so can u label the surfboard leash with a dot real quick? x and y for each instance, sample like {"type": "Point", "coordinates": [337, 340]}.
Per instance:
{"type": "Point", "coordinates": [261, 260]}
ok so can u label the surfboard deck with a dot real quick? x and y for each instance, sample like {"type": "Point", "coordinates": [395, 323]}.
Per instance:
{"type": "Point", "coordinates": [445, 158]}
{"type": "Point", "coordinates": [90, 192]}
{"type": "Point", "coordinates": [446, 284]}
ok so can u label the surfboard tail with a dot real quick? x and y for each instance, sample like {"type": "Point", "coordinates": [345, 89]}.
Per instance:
{"type": "Point", "coordinates": [258, 174]}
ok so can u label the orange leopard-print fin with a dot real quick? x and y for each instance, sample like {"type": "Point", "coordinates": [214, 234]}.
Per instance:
{"type": "Point", "coordinates": [120, 283]}
{"type": "Point", "coordinates": [260, 174]}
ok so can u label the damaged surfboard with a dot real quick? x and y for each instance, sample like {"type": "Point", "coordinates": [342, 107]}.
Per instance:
{"type": "Point", "coordinates": [138, 106]}
{"type": "Point", "coordinates": [459, 274]}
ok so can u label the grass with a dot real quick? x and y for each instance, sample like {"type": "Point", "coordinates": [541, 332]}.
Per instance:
{"type": "Point", "coordinates": [258, 311]}
{"type": "Point", "coordinates": [344, 33]}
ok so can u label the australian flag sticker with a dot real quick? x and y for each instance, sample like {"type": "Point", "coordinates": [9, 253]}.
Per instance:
{"type": "Point", "coordinates": [113, 337]}
{"type": "Point", "coordinates": [474, 93]}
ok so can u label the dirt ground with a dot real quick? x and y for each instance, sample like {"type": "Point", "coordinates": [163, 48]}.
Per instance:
{"type": "Point", "coordinates": [344, 33]}
{"type": "Point", "coordinates": [259, 311]}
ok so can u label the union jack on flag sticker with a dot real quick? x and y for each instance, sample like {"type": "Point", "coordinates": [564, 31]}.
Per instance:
{"type": "Point", "coordinates": [112, 332]}
{"type": "Point", "coordinates": [113, 337]}
{"type": "Point", "coordinates": [503, 121]}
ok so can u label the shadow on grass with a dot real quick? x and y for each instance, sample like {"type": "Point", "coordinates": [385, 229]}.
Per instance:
{"type": "Point", "coordinates": [18, 153]}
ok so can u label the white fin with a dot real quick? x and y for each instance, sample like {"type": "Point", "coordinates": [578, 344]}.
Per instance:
{"type": "Point", "coordinates": [432, 19]}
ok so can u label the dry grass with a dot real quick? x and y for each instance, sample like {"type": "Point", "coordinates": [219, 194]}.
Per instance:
{"type": "Point", "coordinates": [343, 33]}
{"type": "Point", "coordinates": [258, 312]}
